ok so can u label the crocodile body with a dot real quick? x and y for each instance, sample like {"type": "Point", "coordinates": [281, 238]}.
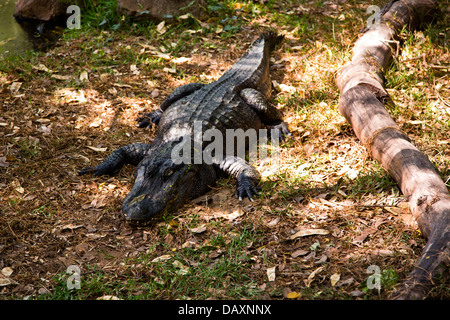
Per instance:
{"type": "Point", "coordinates": [237, 100]}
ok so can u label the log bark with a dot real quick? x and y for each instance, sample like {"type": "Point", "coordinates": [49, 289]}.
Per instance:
{"type": "Point", "coordinates": [362, 103]}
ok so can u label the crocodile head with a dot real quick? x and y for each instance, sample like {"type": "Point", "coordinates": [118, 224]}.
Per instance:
{"type": "Point", "coordinates": [160, 185]}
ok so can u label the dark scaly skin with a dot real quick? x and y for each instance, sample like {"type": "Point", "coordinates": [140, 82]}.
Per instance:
{"type": "Point", "coordinates": [237, 100]}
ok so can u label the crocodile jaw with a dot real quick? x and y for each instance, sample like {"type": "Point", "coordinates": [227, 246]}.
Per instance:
{"type": "Point", "coordinates": [151, 197]}
{"type": "Point", "coordinates": [140, 210]}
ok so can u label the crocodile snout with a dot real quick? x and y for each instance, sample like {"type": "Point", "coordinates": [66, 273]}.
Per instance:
{"type": "Point", "coordinates": [141, 209]}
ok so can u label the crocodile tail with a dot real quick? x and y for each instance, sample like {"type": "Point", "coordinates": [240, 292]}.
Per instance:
{"type": "Point", "coordinates": [272, 39]}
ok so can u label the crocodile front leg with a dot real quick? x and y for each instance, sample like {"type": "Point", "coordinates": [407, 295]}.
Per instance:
{"type": "Point", "coordinates": [130, 154]}
{"type": "Point", "coordinates": [148, 119]}
{"type": "Point", "coordinates": [247, 177]}
{"type": "Point", "coordinates": [269, 115]}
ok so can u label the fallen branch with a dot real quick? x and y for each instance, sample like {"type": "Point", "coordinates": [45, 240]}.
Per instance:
{"type": "Point", "coordinates": [362, 103]}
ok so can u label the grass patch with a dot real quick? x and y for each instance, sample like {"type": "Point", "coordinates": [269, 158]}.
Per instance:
{"type": "Point", "coordinates": [214, 270]}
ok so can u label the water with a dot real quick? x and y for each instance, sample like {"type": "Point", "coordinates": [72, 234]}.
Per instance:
{"type": "Point", "coordinates": [18, 38]}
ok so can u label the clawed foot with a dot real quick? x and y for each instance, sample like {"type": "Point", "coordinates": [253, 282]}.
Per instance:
{"type": "Point", "coordinates": [280, 131]}
{"type": "Point", "coordinates": [246, 187]}
{"type": "Point", "coordinates": [148, 119]}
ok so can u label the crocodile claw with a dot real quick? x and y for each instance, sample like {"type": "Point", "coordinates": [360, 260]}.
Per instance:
{"type": "Point", "coordinates": [283, 131]}
{"type": "Point", "coordinates": [148, 119]}
{"type": "Point", "coordinates": [246, 188]}
{"type": "Point", "coordinates": [86, 170]}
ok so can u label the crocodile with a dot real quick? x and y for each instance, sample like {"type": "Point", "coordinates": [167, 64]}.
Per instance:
{"type": "Point", "coordinates": [237, 100]}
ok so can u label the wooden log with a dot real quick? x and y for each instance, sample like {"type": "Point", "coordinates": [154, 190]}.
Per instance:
{"type": "Point", "coordinates": [362, 103]}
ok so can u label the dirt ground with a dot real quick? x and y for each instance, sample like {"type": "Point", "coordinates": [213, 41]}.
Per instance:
{"type": "Point", "coordinates": [51, 218]}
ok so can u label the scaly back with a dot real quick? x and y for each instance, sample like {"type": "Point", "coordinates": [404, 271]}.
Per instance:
{"type": "Point", "coordinates": [252, 69]}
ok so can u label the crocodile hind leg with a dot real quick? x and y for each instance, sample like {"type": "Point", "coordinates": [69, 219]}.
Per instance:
{"type": "Point", "coordinates": [269, 115]}
{"type": "Point", "coordinates": [247, 177]}
{"type": "Point", "coordinates": [130, 154]}
{"type": "Point", "coordinates": [148, 119]}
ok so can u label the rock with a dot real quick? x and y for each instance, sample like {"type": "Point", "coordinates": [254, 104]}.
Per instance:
{"type": "Point", "coordinates": [160, 10]}
{"type": "Point", "coordinates": [43, 10]}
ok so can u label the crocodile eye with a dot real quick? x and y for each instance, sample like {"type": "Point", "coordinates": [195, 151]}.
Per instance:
{"type": "Point", "coordinates": [168, 172]}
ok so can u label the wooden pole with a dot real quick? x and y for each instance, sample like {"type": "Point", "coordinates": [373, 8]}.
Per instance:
{"type": "Point", "coordinates": [362, 103]}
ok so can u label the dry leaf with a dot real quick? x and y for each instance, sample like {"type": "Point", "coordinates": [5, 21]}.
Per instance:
{"type": "Point", "coordinates": [155, 94]}
{"type": "Point", "coordinates": [193, 31]}
{"type": "Point", "coordinates": [299, 253]}
{"type": "Point", "coordinates": [334, 278]}
{"type": "Point", "coordinates": [199, 229]}
{"type": "Point", "coordinates": [162, 55]}
{"type": "Point", "coordinates": [309, 232]}
{"type": "Point", "coordinates": [97, 149]}
{"type": "Point", "coordinates": [162, 258]}
{"type": "Point", "coordinates": [108, 297]}
{"type": "Point", "coordinates": [283, 87]}
{"type": "Point", "coordinates": [271, 273]}
{"type": "Point", "coordinates": [147, 46]}
{"type": "Point", "coordinates": [181, 60]}
{"type": "Point", "coordinates": [229, 216]}
{"type": "Point", "coordinates": [170, 70]}
{"type": "Point", "coordinates": [215, 254]}
{"type": "Point", "coordinates": [182, 268]}
{"type": "Point", "coordinates": [122, 85]}
{"type": "Point", "coordinates": [312, 275]}
{"type": "Point", "coordinates": [7, 271]}
{"type": "Point", "coordinates": [71, 226]}
{"type": "Point", "coordinates": [161, 27]}
{"type": "Point", "coordinates": [60, 77]}
{"type": "Point", "coordinates": [293, 295]}
{"type": "Point", "coordinates": [41, 67]}
{"type": "Point", "coordinates": [30, 197]}
{"type": "Point", "coordinates": [5, 281]}
{"type": "Point", "coordinates": [20, 190]}
{"type": "Point", "coordinates": [96, 123]}
{"type": "Point", "coordinates": [235, 214]}
{"type": "Point", "coordinates": [15, 86]}
{"type": "Point", "coordinates": [3, 162]}
{"type": "Point", "coordinates": [42, 120]}
{"type": "Point", "coordinates": [45, 130]}
{"type": "Point", "coordinates": [84, 76]}
{"type": "Point", "coordinates": [364, 234]}
{"type": "Point", "coordinates": [184, 16]}
{"type": "Point", "coordinates": [104, 77]}
{"type": "Point", "coordinates": [346, 282]}
{"type": "Point", "coordinates": [273, 222]}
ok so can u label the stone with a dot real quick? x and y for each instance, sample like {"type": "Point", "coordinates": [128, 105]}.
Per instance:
{"type": "Point", "coordinates": [43, 10]}
{"type": "Point", "coordinates": [157, 10]}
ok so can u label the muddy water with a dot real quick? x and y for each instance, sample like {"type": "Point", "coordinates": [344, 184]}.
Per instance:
{"type": "Point", "coordinates": [18, 38]}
